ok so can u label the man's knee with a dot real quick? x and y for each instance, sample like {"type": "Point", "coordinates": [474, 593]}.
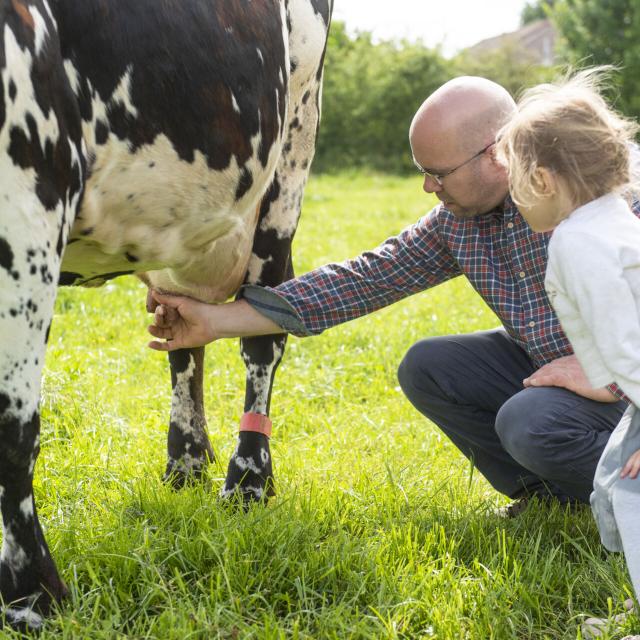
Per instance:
{"type": "Point", "coordinates": [517, 428]}
{"type": "Point", "coordinates": [416, 370]}
{"type": "Point", "coordinates": [531, 428]}
{"type": "Point", "coordinates": [525, 428]}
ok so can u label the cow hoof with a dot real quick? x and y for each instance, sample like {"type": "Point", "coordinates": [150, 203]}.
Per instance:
{"type": "Point", "coordinates": [23, 619]}
{"type": "Point", "coordinates": [28, 614]}
{"type": "Point", "coordinates": [185, 471]}
{"type": "Point", "coordinates": [250, 473]}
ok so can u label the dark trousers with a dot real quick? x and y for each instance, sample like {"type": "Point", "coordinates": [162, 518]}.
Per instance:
{"type": "Point", "coordinates": [544, 440]}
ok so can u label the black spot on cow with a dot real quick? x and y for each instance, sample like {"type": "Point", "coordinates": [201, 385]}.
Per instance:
{"type": "Point", "coordinates": [102, 132]}
{"type": "Point", "coordinates": [288, 22]}
{"type": "Point", "coordinates": [269, 245]}
{"type": "Point", "coordinates": [60, 244]}
{"type": "Point", "coordinates": [272, 194]}
{"type": "Point", "coordinates": [45, 275]}
{"type": "Point", "coordinates": [322, 8]}
{"type": "Point", "coordinates": [103, 277]}
{"type": "Point", "coordinates": [6, 255]}
{"type": "Point", "coordinates": [245, 183]}
{"type": "Point", "coordinates": [306, 96]}
{"type": "Point", "coordinates": [5, 401]}
{"type": "Point", "coordinates": [67, 278]}
{"type": "Point", "coordinates": [179, 364]}
{"type": "Point", "coordinates": [13, 90]}
{"type": "Point", "coordinates": [151, 165]}
{"type": "Point", "coordinates": [182, 59]}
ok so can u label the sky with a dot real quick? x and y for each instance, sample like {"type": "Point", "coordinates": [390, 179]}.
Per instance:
{"type": "Point", "coordinates": [454, 24]}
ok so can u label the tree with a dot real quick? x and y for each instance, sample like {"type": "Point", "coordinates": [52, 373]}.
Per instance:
{"type": "Point", "coordinates": [370, 95]}
{"type": "Point", "coordinates": [536, 10]}
{"type": "Point", "coordinates": [596, 32]}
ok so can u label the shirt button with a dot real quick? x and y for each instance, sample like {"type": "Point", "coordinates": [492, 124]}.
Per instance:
{"type": "Point", "coordinates": [522, 274]}
{"type": "Point", "coordinates": [532, 324]}
{"type": "Point", "coordinates": [510, 225]}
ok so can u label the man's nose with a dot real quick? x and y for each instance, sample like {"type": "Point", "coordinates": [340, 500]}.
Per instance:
{"type": "Point", "coordinates": [431, 185]}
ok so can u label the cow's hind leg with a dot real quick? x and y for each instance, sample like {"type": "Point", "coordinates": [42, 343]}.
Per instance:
{"type": "Point", "coordinates": [250, 470]}
{"type": "Point", "coordinates": [188, 447]}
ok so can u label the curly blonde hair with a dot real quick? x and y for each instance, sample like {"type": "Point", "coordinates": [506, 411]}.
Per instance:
{"type": "Point", "coordinates": [568, 128]}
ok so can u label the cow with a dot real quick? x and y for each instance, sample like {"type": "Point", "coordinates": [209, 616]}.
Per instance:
{"type": "Point", "coordinates": [167, 139]}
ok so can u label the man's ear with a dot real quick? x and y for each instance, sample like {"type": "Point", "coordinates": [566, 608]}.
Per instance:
{"type": "Point", "coordinates": [544, 181]}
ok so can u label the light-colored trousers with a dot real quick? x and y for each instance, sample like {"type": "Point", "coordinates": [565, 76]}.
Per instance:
{"type": "Point", "coordinates": [615, 501]}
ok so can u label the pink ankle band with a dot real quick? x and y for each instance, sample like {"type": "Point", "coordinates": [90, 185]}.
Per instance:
{"type": "Point", "coordinates": [256, 422]}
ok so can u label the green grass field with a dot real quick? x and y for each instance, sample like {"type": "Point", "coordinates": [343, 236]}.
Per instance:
{"type": "Point", "coordinates": [379, 530]}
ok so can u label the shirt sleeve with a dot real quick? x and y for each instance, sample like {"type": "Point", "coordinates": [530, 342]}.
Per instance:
{"type": "Point", "coordinates": [412, 261]}
{"type": "Point", "coordinates": [594, 280]}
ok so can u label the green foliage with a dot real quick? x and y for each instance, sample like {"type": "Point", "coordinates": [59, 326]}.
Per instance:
{"type": "Point", "coordinates": [381, 529]}
{"type": "Point", "coordinates": [536, 10]}
{"type": "Point", "coordinates": [596, 32]}
{"type": "Point", "coordinates": [371, 92]}
{"type": "Point", "coordinates": [372, 89]}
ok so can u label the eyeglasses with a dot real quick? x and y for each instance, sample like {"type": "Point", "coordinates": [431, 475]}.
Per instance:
{"type": "Point", "coordinates": [439, 177]}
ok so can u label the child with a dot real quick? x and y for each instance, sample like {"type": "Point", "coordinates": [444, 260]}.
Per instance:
{"type": "Point", "coordinates": [569, 158]}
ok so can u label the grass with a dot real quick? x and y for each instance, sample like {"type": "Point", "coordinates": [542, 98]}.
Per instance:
{"type": "Point", "coordinates": [380, 528]}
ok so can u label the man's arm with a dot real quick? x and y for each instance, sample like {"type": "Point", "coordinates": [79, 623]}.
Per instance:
{"type": "Point", "coordinates": [414, 260]}
{"type": "Point", "coordinates": [183, 322]}
{"type": "Point", "coordinates": [405, 264]}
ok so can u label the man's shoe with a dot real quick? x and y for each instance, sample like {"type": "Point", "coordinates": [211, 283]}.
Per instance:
{"type": "Point", "coordinates": [520, 505]}
{"type": "Point", "coordinates": [513, 509]}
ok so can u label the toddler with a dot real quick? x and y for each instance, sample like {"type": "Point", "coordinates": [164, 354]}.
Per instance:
{"type": "Point", "coordinates": [570, 160]}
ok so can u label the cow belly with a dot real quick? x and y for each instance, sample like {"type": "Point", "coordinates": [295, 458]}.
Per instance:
{"type": "Point", "coordinates": [181, 222]}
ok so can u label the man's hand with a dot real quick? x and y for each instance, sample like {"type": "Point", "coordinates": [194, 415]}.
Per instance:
{"type": "Point", "coordinates": [566, 372]}
{"type": "Point", "coordinates": [182, 322]}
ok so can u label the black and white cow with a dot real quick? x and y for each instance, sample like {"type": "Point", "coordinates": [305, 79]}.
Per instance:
{"type": "Point", "coordinates": [165, 138]}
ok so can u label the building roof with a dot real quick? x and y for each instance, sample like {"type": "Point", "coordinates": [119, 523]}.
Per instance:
{"type": "Point", "coordinates": [536, 42]}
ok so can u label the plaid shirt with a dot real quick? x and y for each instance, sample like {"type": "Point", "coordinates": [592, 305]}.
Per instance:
{"type": "Point", "coordinates": [498, 252]}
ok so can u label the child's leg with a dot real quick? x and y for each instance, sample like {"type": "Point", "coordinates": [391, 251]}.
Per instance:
{"type": "Point", "coordinates": [626, 508]}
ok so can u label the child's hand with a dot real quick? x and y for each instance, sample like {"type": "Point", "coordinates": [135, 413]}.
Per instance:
{"type": "Point", "coordinates": [632, 468]}
{"type": "Point", "coordinates": [181, 322]}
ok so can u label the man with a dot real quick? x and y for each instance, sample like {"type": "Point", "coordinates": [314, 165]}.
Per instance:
{"type": "Point", "coordinates": [515, 399]}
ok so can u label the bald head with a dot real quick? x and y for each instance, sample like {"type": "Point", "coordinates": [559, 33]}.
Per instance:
{"type": "Point", "coordinates": [463, 115]}
{"type": "Point", "coordinates": [449, 133]}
